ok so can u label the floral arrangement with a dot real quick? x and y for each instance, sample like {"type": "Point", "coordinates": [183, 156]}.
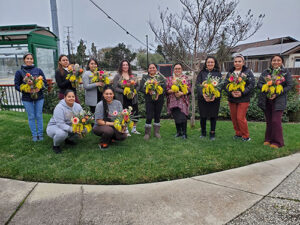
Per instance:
{"type": "Point", "coordinates": [179, 83]}
{"type": "Point", "coordinates": [273, 82]}
{"type": "Point", "coordinates": [74, 76]}
{"type": "Point", "coordinates": [210, 86]}
{"type": "Point", "coordinates": [32, 83]}
{"type": "Point", "coordinates": [123, 119]}
{"type": "Point", "coordinates": [101, 76]}
{"type": "Point", "coordinates": [129, 88]}
{"type": "Point", "coordinates": [81, 121]}
{"type": "Point", "coordinates": [237, 82]}
{"type": "Point", "coordinates": [153, 86]}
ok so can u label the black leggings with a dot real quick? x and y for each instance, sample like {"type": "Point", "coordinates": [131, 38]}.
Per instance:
{"type": "Point", "coordinates": [178, 116]}
{"type": "Point", "coordinates": [153, 109]}
{"type": "Point", "coordinates": [213, 122]}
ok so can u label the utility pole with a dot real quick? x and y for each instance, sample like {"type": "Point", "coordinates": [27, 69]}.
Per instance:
{"type": "Point", "coordinates": [68, 41]}
{"type": "Point", "coordinates": [55, 22]}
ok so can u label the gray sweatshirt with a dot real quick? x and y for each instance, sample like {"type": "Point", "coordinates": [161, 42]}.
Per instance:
{"type": "Point", "coordinates": [63, 114]}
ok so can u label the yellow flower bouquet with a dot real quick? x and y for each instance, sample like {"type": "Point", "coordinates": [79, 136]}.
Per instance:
{"type": "Point", "coordinates": [210, 86]}
{"type": "Point", "coordinates": [75, 75]}
{"type": "Point", "coordinates": [273, 83]}
{"type": "Point", "coordinates": [129, 88]}
{"type": "Point", "coordinates": [237, 82]}
{"type": "Point", "coordinates": [82, 123]}
{"type": "Point", "coordinates": [123, 119]}
{"type": "Point", "coordinates": [180, 83]}
{"type": "Point", "coordinates": [153, 87]}
{"type": "Point", "coordinates": [101, 76]}
{"type": "Point", "coordinates": [32, 83]}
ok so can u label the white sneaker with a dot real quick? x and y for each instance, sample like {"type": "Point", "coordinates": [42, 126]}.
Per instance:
{"type": "Point", "coordinates": [134, 131]}
{"type": "Point", "coordinates": [127, 132]}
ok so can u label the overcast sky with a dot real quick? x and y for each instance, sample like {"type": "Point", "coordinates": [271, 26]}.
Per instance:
{"type": "Point", "coordinates": [282, 18]}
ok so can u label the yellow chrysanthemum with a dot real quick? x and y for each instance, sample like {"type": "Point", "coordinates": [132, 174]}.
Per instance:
{"type": "Point", "coordinates": [175, 88]}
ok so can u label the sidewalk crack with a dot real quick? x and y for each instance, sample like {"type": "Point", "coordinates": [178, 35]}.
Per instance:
{"type": "Point", "coordinates": [20, 205]}
{"type": "Point", "coordinates": [220, 185]}
{"type": "Point", "coordinates": [81, 204]}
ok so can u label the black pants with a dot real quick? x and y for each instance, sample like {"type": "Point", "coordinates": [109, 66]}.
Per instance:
{"type": "Point", "coordinates": [178, 116]}
{"type": "Point", "coordinates": [128, 102]}
{"type": "Point", "coordinates": [153, 109]}
{"type": "Point", "coordinates": [213, 122]}
{"type": "Point", "coordinates": [107, 133]}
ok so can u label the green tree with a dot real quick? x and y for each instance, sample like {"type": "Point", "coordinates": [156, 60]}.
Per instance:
{"type": "Point", "coordinates": [80, 55]}
{"type": "Point", "coordinates": [153, 58]}
{"type": "Point", "coordinates": [117, 54]}
{"type": "Point", "coordinates": [94, 52]}
{"type": "Point", "coordinates": [223, 53]}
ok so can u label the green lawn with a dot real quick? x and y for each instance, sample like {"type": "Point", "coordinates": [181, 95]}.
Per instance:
{"type": "Point", "coordinates": [133, 160]}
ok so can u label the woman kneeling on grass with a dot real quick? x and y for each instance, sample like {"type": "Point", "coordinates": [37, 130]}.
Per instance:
{"type": "Point", "coordinates": [104, 117]}
{"type": "Point", "coordinates": [60, 125]}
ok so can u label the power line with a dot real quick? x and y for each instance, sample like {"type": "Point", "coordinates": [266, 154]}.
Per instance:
{"type": "Point", "coordinates": [119, 25]}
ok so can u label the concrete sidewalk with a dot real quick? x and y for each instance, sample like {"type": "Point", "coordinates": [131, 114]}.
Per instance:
{"type": "Point", "coordinates": [261, 193]}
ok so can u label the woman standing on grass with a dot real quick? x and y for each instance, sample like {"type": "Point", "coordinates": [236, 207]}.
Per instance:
{"type": "Point", "coordinates": [60, 77]}
{"type": "Point", "coordinates": [33, 99]}
{"type": "Point", "coordinates": [92, 93]}
{"type": "Point", "coordinates": [60, 125]}
{"type": "Point", "coordinates": [208, 107]}
{"type": "Point", "coordinates": [154, 101]}
{"type": "Point", "coordinates": [273, 104]}
{"type": "Point", "coordinates": [239, 84]}
{"type": "Point", "coordinates": [178, 100]}
{"type": "Point", "coordinates": [104, 119]}
{"type": "Point", "coordinates": [125, 75]}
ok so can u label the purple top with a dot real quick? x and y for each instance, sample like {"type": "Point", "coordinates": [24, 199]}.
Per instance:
{"type": "Point", "coordinates": [182, 102]}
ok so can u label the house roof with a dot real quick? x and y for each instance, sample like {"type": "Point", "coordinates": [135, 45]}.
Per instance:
{"type": "Point", "coordinates": [242, 47]}
{"type": "Point", "coordinates": [271, 49]}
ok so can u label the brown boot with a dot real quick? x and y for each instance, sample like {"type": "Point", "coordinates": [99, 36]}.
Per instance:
{"type": "Point", "coordinates": [156, 127]}
{"type": "Point", "coordinates": [147, 132]}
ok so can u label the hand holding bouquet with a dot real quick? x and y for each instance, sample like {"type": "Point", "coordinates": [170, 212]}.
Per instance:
{"type": "Point", "coordinates": [153, 87]}
{"type": "Point", "coordinates": [210, 87]}
{"type": "Point", "coordinates": [129, 88]}
{"type": "Point", "coordinates": [32, 85]}
{"type": "Point", "coordinates": [101, 76]}
{"type": "Point", "coordinates": [179, 84]}
{"type": "Point", "coordinates": [82, 123]}
{"type": "Point", "coordinates": [273, 83]}
{"type": "Point", "coordinates": [74, 75]}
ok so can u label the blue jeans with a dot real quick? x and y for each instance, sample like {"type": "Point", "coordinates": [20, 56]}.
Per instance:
{"type": "Point", "coordinates": [34, 111]}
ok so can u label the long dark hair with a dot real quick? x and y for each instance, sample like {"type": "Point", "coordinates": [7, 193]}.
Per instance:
{"type": "Point", "coordinates": [216, 67]}
{"type": "Point", "coordinates": [59, 66]}
{"type": "Point", "coordinates": [105, 106]}
{"type": "Point", "coordinates": [90, 60]}
{"type": "Point", "coordinates": [120, 67]}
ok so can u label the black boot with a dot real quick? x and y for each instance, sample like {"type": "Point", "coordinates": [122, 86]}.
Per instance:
{"type": "Point", "coordinates": [56, 149]}
{"type": "Point", "coordinates": [212, 136]}
{"type": "Point", "coordinates": [203, 134]}
{"type": "Point", "coordinates": [179, 130]}
{"type": "Point", "coordinates": [183, 126]}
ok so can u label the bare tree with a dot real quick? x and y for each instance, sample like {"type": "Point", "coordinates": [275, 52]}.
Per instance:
{"type": "Point", "coordinates": [190, 36]}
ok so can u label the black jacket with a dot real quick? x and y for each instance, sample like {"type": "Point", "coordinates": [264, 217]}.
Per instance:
{"type": "Point", "coordinates": [280, 100]}
{"type": "Point", "coordinates": [202, 76]}
{"type": "Point", "coordinates": [19, 79]}
{"type": "Point", "coordinates": [62, 83]}
{"type": "Point", "coordinates": [250, 83]}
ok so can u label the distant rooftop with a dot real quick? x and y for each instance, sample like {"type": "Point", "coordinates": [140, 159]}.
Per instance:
{"type": "Point", "coordinates": [274, 41]}
{"type": "Point", "coordinates": [271, 49]}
